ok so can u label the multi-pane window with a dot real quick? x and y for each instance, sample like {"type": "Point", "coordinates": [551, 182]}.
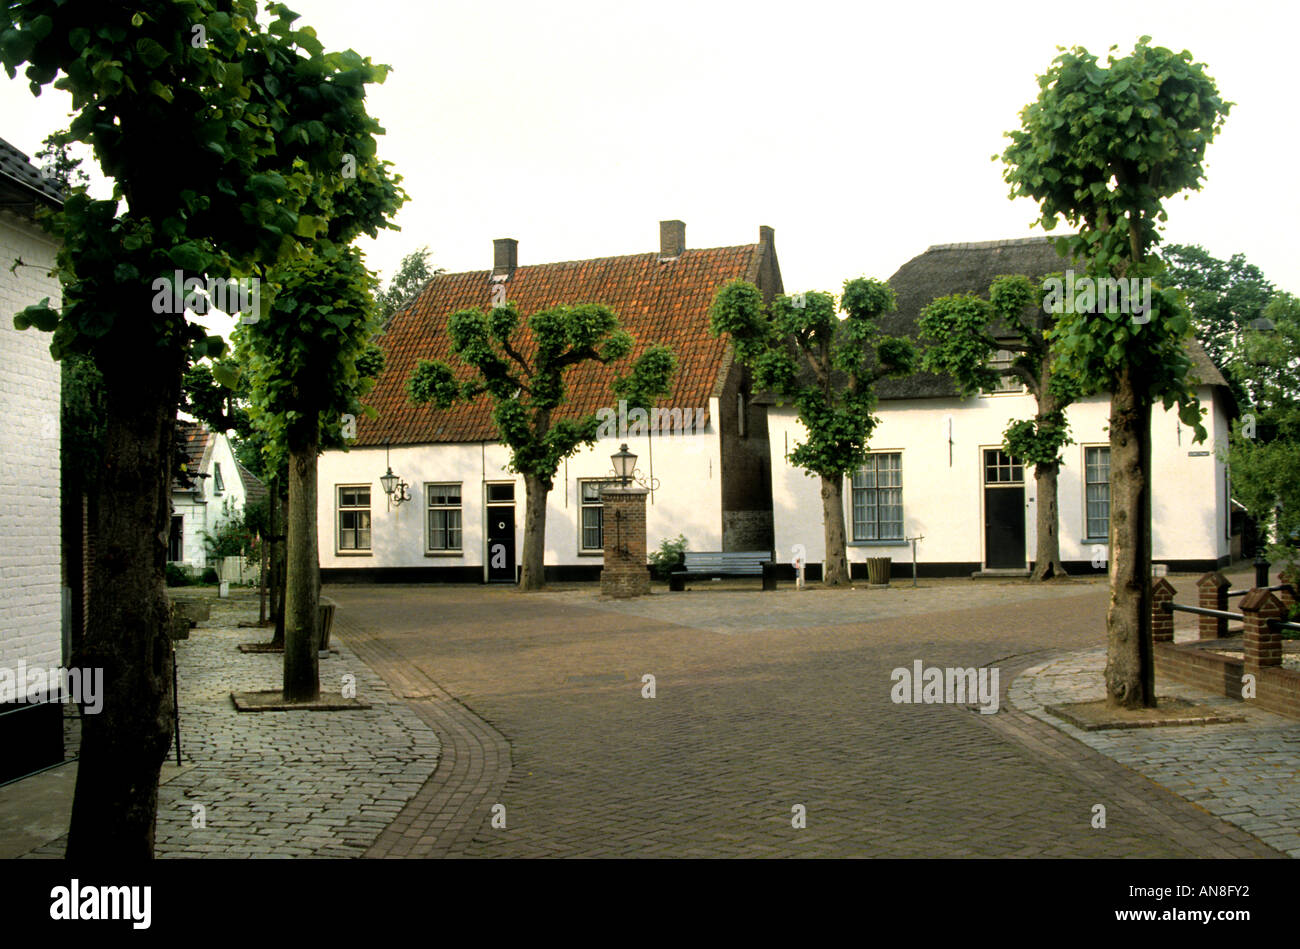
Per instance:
{"type": "Point", "coordinates": [1096, 472]}
{"type": "Point", "coordinates": [1007, 381]}
{"type": "Point", "coordinates": [218, 485]}
{"type": "Point", "coordinates": [878, 498]}
{"type": "Point", "coordinates": [444, 516]}
{"type": "Point", "coordinates": [591, 525]}
{"type": "Point", "coordinates": [354, 517]}
{"type": "Point", "coordinates": [1001, 468]}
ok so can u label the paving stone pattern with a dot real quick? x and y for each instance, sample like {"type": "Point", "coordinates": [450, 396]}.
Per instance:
{"type": "Point", "coordinates": [1247, 773]}
{"type": "Point", "coordinates": [764, 702]}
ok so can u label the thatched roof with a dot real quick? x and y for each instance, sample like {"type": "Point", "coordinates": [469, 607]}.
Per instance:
{"type": "Point", "coordinates": [946, 269]}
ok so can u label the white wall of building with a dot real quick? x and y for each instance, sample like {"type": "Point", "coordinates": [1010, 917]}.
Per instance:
{"type": "Point", "coordinates": [688, 501]}
{"type": "Point", "coordinates": [31, 605]}
{"type": "Point", "coordinates": [943, 496]}
{"type": "Point", "coordinates": [205, 507]}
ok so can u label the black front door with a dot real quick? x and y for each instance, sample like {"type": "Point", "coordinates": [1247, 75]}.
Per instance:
{"type": "Point", "coordinates": [501, 544]}
{"type": "Point", "coordinates": [1004, 512]}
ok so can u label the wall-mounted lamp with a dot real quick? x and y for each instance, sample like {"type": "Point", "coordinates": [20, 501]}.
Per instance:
{"type": "Point", "coordinates": [396, 489]}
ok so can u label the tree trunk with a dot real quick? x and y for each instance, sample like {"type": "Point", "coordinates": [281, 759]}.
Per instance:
{"type": "Point", "coordinates": [301, 599]}
{"type": "Point", "coordinates": [1047, 561]}
{"type": "Point", "coordinates": [1130, 671]}
{"type": "Point", "coordinates": [534, 562]}
{"type": "Point", "coordinates": [277, 563]}
{"type": "Point", "coordinates": [115, 803]}
{"type": "Point", "coordinates": [835, 567]}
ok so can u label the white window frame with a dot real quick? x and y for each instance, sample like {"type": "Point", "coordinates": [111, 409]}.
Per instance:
{"type": "Point", "coordinates": [876, 488]}
{"type": "Point", "coordinates": [430, 507]}
{"type": "Point", "coordinates": [584, 506]}
{"type": "Point", "coordinates": [1088, 534]}
{"type": "Point", "coordinates": [340, 509]}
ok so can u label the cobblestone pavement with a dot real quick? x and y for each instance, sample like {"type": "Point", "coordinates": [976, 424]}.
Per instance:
{"type": "Point", "coordinates": [1247, 773]}
{"type": "Point", "coordinates": [278, 784]}
{"type": "Point", "coordinates": [765, 704]}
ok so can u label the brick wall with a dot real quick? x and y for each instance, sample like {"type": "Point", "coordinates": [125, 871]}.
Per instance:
{"type": "Point", "coordinates": [623, 526]}
{"type": "Point", "coordinates": [31, 604]}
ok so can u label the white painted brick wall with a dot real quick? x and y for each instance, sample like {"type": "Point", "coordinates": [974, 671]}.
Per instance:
{"type": "Point", "coordinates": [30, 599]}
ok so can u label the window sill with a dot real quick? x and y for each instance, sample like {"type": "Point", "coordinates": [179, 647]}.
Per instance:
{"type": "Point", "coordinates": [877, 543]}
{"type": "Point", "coordinates": [591, 553]}
{"type": "Point", "coordinates": [444, 553]}
{"type": "Point", "coordinates": [354, 553]}
{"type": "Point", "coordinates": [1104, 541]}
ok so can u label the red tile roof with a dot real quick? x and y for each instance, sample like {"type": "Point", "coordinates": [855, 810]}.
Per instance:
{"type": "Point", "coordinates": [658, 301]}
{"type": "Point", "coordinates": [194, 439]}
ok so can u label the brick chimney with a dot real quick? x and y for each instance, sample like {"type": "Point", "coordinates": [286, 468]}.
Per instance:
{"type": "Point", "coordinates": [766, 235]}
{"type": "Point", "coordinates": [505, 256]}
{"type": "Point", "coordinates": [672, 238]}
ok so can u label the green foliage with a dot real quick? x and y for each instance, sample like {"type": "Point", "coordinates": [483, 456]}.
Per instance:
{"type": "Point", "coordinates": [57, 163]}
{"type": "Point", "coordinates": [1264, 446]}
{"type": "Point", "coordinates": [1037, 441]}
{"type": "Point", "coordinates": [83, 414]}
{"type": "Point", "coordinates": [1225, 298]}
{"type": "Point", "coordinates": [210, 575]}
{"type": "Point", "coordinates": [233, 536]}
{"type": "Point", "coordinates": [251, 118]}
{"type": "Point", "coordinates": [824, 365]}
{"type": "Point", "coordinates": [670, 555]}
{"type": "Point", "coordinates": [522, 368]}
{"type": "Point", "coordinates": [410, 279]}
{"type": "Point", "coordinates": [1101, 148]}
{"type": "Point", "coordinates": [176, 575]}
{"type": "Point", "coordinates": [308, 362]}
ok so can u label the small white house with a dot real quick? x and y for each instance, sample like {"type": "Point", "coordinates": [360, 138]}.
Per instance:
{"type": "Point", "coordinates": [214, 487]}
{"type": "Point", "coordinates": [705, 454]}
{"type": "Point", "coordinates": [936, 470]}
{"type": "Point", "coordinates": [31, 607]}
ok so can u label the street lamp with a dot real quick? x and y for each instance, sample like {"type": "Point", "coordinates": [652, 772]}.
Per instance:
{"type": "Point", "coordinates": [624, 465]}
{"type": "Point", "coordinates": [625, 470]}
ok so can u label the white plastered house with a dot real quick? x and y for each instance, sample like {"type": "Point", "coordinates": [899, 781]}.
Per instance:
{"type": "Point", "coordinates": [936, 471]}
{"type": "Point", "coordinates": [711, 465]}
{"type": "Point", "coordinates": [213, 488]}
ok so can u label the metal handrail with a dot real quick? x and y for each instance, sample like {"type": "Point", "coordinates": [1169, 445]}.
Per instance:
{"type": "Point", "coordinates": [1272, 589]}
{"type": "Point", "coordinates": [1171, 607]}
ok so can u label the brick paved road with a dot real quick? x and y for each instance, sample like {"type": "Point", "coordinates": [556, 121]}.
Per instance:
{"type": "Point", "coordinates": [537, 700]}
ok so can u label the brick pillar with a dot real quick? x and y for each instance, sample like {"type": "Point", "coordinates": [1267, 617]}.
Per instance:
{"type": "Point", "coordinates": [1262, 645]}
{"type": "Point", "coordinates": [1286, 597]}
{"type": "Point", "coordinates": [1162, 621]}
{"type": "Point", "coordinates": [623, 525]}
{"type": "Point", "coordinates": [1212, 590]}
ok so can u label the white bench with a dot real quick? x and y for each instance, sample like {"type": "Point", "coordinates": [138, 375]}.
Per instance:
{"type": "Point", "coordinates": [749, 563]}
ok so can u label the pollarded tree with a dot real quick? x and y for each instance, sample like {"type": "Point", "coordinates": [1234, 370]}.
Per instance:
{"type": "Point", "coordinates": [827, 367]}
{"type": "Point", "coordinates": [964, 332]}
{"type": "Point", "coordinates": [523, 371]}
{"type": "Point", "coordinates": [1102, 148]}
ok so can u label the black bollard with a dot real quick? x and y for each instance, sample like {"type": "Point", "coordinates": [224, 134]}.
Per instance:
{"type": "Point", "coordinates": [1261, 569]}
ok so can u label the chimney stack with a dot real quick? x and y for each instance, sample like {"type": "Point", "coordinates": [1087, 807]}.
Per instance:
{"type": "Point", "coordinates": [766, 235]}
{"type": "Point", "coordinates": [505, 257]}
{"type": "Point", "coordinates": [672, 239]}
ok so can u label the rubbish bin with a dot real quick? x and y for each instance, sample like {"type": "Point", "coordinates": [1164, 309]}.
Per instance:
{"type": "Point", "coordinates": [878, 571]}
{"type": "Point", "coordinates": [326, 617]}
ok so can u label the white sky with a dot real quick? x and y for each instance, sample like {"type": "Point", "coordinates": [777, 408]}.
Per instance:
{"type": "Point", "coordinates": [862, 136]}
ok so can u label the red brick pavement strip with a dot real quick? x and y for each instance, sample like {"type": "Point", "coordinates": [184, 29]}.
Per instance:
{"type": "Point", "coordinates": [447, 812]}
{"type": "Point", "coordinates": [743, 727]}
